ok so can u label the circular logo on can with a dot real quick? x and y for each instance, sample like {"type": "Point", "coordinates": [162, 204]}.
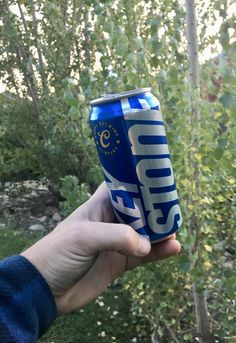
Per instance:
{"type": "Point", "coordinates": [107, 138]}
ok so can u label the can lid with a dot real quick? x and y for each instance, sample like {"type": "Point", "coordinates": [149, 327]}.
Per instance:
{"type": "Point", "coordinates": [111, 97]}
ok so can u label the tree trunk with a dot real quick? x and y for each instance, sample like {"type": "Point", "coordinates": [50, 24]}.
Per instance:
{"type": "Point", "coordinates": [203, 326]}
{"type": "Point", "coordinates": [39, 48]}
{"type": "Point", "coordinates": [86, 38]}
{"type": "Point", "coordinates": [25, 61]}
{"type": "Point", "coordinates": [25, 65]}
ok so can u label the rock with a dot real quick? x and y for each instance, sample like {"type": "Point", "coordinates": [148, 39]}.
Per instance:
{"type": "Point", "coordinates": [28, 196]}
{"type": "Point", "coordinates": [223, 259]}
{"type": "Point", "coordinates": [23, 201]}
{"type": "Point", "coordinates": [49, 211]}
{"type": "Point", "coordinates": [43, 219]}
{"type": "Point", "coordinates": [228, 265]}
{"type": "Point", "coordinates": [37, 227]}
{"type": "Point", "coordinates": [56, 217]}
{"type": "Point", "coordinates": [220, 245]}
{"type": "Point", "coordinates": [5, 199]}
{"type": "Point", "coordinates": [2, 226]}
{"type": "Point", "coordinates": [52, 225]}
{"type": "Point", "coordinates": [42, 188]}
{"type": "Point", "coordinates": [33, 194]}
{"type": "Point", "coordinates": [7, 184]}
{"type": "Point", "coordinates": [17, 209]}
{"type": "Point", "coordinates": [31, 184]}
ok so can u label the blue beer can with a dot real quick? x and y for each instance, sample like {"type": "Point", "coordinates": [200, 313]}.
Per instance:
{"type": "Point", "coordinates": [130, 137]}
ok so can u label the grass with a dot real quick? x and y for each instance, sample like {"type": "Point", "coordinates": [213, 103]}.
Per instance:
{"type": "Point", "coordinates": [109, 319]}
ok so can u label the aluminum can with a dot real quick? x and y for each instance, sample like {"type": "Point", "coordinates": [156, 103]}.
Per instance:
{"type": "Point", "coordinates": [130, 137]}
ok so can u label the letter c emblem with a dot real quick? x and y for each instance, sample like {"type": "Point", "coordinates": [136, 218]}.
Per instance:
{"type": "Point", "coordinates": [104, 135]}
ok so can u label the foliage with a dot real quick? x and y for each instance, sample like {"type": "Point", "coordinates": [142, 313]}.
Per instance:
{"type": "Point", "coordinates": [74, 193]}
{"type": "Point", "coordinates": [54, 149]}
{"type": "Point", "coordinates": [13, 242]}
{"type": "Point", "coordinates": [44, 122]}
{"type": "Point", "coordinates": [215, 268]}
{"type": "Point", "coordinates": [169, 316]}
{"type": "Point", "coordinates": [69, 53]}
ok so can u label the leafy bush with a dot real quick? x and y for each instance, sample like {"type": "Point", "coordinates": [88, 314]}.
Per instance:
{"type": "Point", "coordinates": [56, 143]}
{"type": "Point", "coordinates": [74, 193]}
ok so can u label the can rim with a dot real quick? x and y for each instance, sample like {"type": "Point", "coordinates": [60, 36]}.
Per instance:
{"type": "Point", "coordinates": [111, 97]}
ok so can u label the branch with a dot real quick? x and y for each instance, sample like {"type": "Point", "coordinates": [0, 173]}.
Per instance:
{"type": "Point", "coordinates": [86, 37]}
{"type": "Point", "coordinates": [39, 47]}
{"type": "Point", "coordinates": [22, 16]}
{"type": "Point", "coordinates": [203, 326]}
{"type": "Point", "coordinates": [192, 43]}
{"type": "Point", "coordinates": [171, 332]}
{"type": "Point", "coordinates": [21, 53]}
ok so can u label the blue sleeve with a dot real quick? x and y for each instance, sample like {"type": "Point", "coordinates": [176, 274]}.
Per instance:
{"type": "Point", "coordinates": [27, 307]}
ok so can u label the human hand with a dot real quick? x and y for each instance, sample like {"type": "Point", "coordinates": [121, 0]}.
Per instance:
{"type": "Point", "coordinates": [87, 251]}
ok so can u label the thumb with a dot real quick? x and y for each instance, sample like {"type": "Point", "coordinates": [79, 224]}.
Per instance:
{"type": "Point", "coordinates": [116, 237]}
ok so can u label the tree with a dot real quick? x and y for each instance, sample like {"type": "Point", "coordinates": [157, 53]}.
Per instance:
{"type": "Point", "coordinates": [194, 226]}
{"type": "Point", "coordinates": [56, 56]}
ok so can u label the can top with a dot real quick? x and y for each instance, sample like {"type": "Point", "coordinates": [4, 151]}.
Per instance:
{"type": "Point", "coordinates": [111, 97]}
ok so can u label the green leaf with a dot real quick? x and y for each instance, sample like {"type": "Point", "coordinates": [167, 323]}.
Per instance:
{"type": "Point", "coordinates": [69, 98]}
{"type": "Point", "coordinates": [109, 26]}
{"type": "Point", "coordinates": [228, 74]}
{"type": "Point", "coordinates": [139, 43]}
{"type": "Point", "coordinates": [121, 49]}
{"type": "Point", "coordinates": [233, 134]}
{"type": "Point", "coordinates": [233, 114]}
{"type": "Point", "coordinates": [155, 21]}
{"type": "Point", "coordinates": [173, 73]}
{"type": "Point", "coordinates": [155, 62]}
{"type": "Point", "coordinates": [73, 113]}
{"type": "Point", "coordinates": [184, 263]}
{"type": "Point", "coordinates": [227, 100]}
{"type": "Point", "coordinates": [131, 60]}
{"type": "Point", "coordinates": [217, 153]}
{"type": "Point", "coordinates": [224, 35]}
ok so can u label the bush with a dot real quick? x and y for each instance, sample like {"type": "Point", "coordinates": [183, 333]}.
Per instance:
{"type": "Point", "coordinates": [51, 145]}
{"type": "Point", "coordinates": [74, 194]}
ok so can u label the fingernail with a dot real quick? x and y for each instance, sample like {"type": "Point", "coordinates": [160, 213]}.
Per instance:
{"type": "Point", "coordinates": [143, 246]}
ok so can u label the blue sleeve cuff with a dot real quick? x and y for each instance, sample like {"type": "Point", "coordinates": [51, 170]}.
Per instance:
{"type": "Point", "coordinates": [27, 306]}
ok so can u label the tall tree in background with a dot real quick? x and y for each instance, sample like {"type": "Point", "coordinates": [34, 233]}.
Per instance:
{"type": "Point", "coordinates": [194, 226]}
